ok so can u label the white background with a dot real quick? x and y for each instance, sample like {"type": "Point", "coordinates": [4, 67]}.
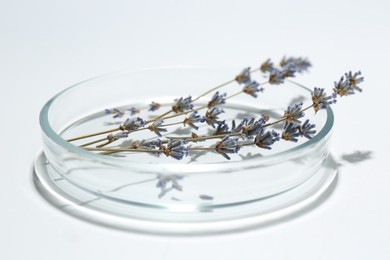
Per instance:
{"type": "Point", "coordinates": [46, 46]}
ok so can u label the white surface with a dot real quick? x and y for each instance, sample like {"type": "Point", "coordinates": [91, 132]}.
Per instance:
{"type": "Point", "coordinates": [46, 46]}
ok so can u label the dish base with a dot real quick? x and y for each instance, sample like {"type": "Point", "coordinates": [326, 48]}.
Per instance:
{"type": "Point", "coordinates": [125, 216]}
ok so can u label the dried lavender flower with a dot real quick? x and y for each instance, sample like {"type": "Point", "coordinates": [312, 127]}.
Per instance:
{"type": "Point", "coordinates": [291, 132]}
{"type": "Point", "coordinates": [177, 149]}
{"type": "Point", "coordinates": [240, 126]}
{"type": "Point", "coordinates": [293, 113]}
{"type": "Point", "coordinates": [156, 127]}
{"type": "Point", "coordinates": [244, 76]}
{"type": "Point", "coordinates": [343, 87]}
{"type": "Point", "coordinates": [212, 116]}
{"type": "Point", "coordinates": [194, 118]}
{"type": "Point", "coordinates": [321, 100]}
{"type": "Point", "coordinates": [250, 127]}
{"type": "Point", "coordinates": [276, 77]}
{"type": "Point", "coordinates": [227, 145]}
{"type": "Point", "coordinates": [217, 99]}
{"type": "Point", "coordinates": [151, 144]}
{"type": "Point", "coordinates": [131, 124]}
{"type": "Point", "coordinates": [354, 80]}
{"type": "Point", "coordinates": [222, 128]}
{"type": "Point", "coordinates": [116, 136]}
{"type": "Point", "coordinates": [307, 130]}
{"type": "Point", "coordinates": [182, 104]}
{"type": "Point", "coordinates": [266, 139]}
{"type": "Point", "coordinates": [289, 70]}
{"type": "Point", "coordinates": [154, 106]}
{"type": "Point", "coordinates": [267, 66]}
{"type": "Point", "coordinates": [300, 64]}
{"type": "Point", "coordinates": [251, 88]}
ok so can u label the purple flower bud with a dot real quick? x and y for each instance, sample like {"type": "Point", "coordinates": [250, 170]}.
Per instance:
{"type": "Point", "coordinates": [116, 136]}
{"type": "Point", "coordinates": [252, 88]}
{"type": "Point", "coordinates": [300, 64]}
{"type": "Point", "coordinates": [321, 100]}
{"type": "Point", "coordinates": [266, 139]}
{"type": "Point", "coordinates": [182, 105]}
{"type": "Point", "coordinates": [244, 76]}
{"type": "Point", "coordinates": [267, 66]}
{"type": "Point", "coordinates": [156, 127]}
{"type": "Point", "coordinates": [217, 99]}
{"type": "Point", "coordinates": [293, 113]}
{"type": "Point", "coordinates": [132, 124]}
{"type": "Point", "coordinates": [154, 106]}
{"type": "Point", "coordinates": [276, 77]}
{"type": "Point", "coordinates": [291, 132]}
{"type": "Point", "coordinates": [212, 116]}
{"type": "Point", "coordinates": [227, 145]}
{"type": "Point", "coordinates": [307, 130]}
{"type": "Point", "coordinates": [194, 118]}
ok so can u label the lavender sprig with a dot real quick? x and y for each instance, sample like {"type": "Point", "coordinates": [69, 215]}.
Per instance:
{"type": "Point", "coordinates": [248, 128]}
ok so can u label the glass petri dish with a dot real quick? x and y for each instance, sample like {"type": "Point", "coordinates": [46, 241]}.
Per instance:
{"type": "Point", "coordinates": [204, 192]}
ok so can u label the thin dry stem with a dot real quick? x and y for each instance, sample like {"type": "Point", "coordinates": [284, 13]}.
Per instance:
{"type": "Point", "coordinates": [91, 135]}
{"type": "Point", "coordinates": [93, 142]}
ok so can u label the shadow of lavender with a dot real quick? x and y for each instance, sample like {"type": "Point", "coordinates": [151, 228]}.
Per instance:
{"type": "Point", "coordinates": [357, 156]}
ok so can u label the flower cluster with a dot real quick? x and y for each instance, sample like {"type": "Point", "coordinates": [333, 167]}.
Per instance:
{"type": "Point", "coordinates": [288, 67]}
{"type": "Point", "coordinates": [182, 104]}
{"type": "Point", "coordinates": [348, 84]}
{"type": "Point", "coordinates": [194, 118]}
{"type": "Point", "coordinates": [321, 100]}
{"type": "Point", "coordinates": [177, 149]}
{"type": "Point", "coordinates": [251, 87]}
{"type": "Point", "coordinates": [225, 136]}
{"type": "Point", "coordinates": [227, 145]}
{"type": "Point", "coordinates": [132, 124]}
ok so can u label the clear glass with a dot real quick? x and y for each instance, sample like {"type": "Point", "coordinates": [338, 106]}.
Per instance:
{"type": "Point", "coordinates": [203, 192]}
